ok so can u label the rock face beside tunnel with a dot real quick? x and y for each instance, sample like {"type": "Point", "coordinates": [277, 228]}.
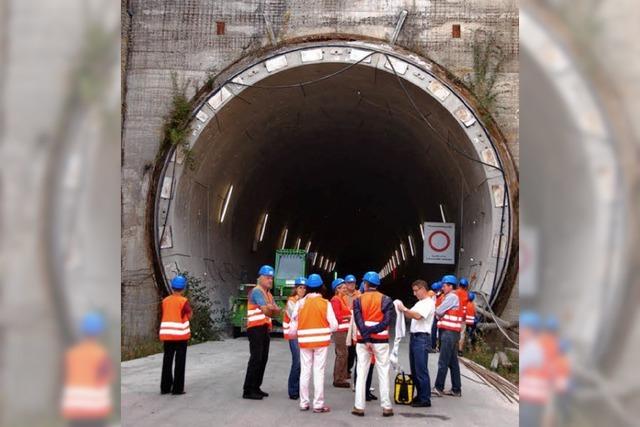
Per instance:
{"type": "Point", "coordinates": [199, 40]}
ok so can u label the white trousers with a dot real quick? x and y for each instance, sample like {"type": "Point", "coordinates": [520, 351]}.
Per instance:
{"type": "Point", "coordinates": [316, 359]}
{"type": "Point", "coordinates": [382, 367]}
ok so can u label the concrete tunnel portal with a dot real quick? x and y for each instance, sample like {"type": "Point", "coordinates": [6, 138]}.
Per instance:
{"type": "Point", "coordinates": [343, 148]}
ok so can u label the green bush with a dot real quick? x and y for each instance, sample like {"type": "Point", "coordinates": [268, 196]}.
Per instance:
{"type": "Point", "coordinates": [202, 324]}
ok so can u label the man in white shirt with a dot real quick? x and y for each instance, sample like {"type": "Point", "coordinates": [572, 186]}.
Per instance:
{"type": "Point", "coordinates": [421, 315]}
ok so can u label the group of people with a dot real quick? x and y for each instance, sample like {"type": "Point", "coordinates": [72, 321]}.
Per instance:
{"type": "Point", "coordinates": [358, 322]}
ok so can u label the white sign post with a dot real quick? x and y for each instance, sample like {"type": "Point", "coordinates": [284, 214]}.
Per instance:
{"type": "Point", "coordinates": [439, 243]}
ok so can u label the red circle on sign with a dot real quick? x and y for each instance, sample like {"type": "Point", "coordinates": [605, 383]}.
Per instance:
{"type": "Point", "coordinates": [439, 249]}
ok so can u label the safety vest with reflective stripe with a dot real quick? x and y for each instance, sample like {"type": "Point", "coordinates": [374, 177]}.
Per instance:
{"type": "Point", "coordinates": [470, 313]}
{"type": "Point", "coordinates": [343, 315]}
{"type": "Point", "coordinates": [86, 393]}
{"type": "Point", "coordinates": [313, 325]}
{"type": "Point", "coordinates": [255, 316]}
{"type": "Point", "coordinates": [173, 327]}
{"type": "Point", "coordinates": [463, 298]}
{"type": "Point", "coordinates": [535, 385]}
{"type": "Point", "coordinates": [286, 321]}
{"type": "Point", "coordinates": [452, 320]}
{"type": "Point", "coordinates": [349, 300]}
{"type": "Point", "coordinates": [371, 307]}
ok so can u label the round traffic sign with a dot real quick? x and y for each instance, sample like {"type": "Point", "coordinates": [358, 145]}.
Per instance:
{"type": "Point", "coordinates": [439, 241]}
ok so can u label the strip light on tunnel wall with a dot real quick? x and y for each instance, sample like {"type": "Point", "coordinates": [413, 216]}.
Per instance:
{"type": "Point", "coordinates": [298, 242]}
{"type": "Point", "coordinates": [308, 246]}
{"type": "Point", "coordinates": [397, 256]}
{"type": "Point", "coordinates": [225, 203]}
{"type": "Point", "coordinates": [421, 231]}
{"type": "Point", "coordinates": [315, 257]}
{"type": "Point", "coordinates": [404, 258]}
{"type": "Point", "coordinates": [411, 247]}
{"type": "Point", "coordinates": [321, 261]}
{"type": "Point", "coordinates": [285, 233]}
{"type": "Point", "coordinates": [263, 226]}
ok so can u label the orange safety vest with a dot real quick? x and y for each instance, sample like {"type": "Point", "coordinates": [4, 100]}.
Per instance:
{"type": "Point", "coordinates": [470, 313]}
{"type": "Point", "coordinates": [535, 385]}
{"type": "Point", "coordinates": [452, 320]}
{"type": "Point", "coordinates": [286, 321]}
{"type": "Point", "coordinates": [343, 321]}
{"type": "Point", "coordinates": [371, 306]}
{"type": "Point", "coordinates": [439, 299]}
{"type": "Point", "coordinates": [562, 373]}
{"type": "Point", "coordinates": [255, 316]}
{"type": "Point", "coordinates": [463, 297]}
{"type": "Point", "coordinates": [86, 393]}
{"type": "Point", "coordinates": [173, 327]}
{"type": "Point", "coordinates": [313, 325]}
{"type": "Point", "coordinates": [345, 298]}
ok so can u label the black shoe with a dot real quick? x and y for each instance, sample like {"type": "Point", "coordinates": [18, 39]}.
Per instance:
{"type": "Point", "coordinates": [371, 397]}
{"type": "Point", "coordinates": [294, 397]}
{"type": "Point", "coordinates": [421, 404]}
{"type": "Point", "coordinates": [262, 393]}
{"type": "Point", "coordinates": [252, 396]}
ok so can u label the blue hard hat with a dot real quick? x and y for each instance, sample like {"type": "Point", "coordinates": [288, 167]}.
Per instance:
{"type": "Point", "coordinates": [464, 282]}
{"type": "Point", "coordinates": [361, 286]}
{"type": "Point", "coordinates": [449, 278]}
{"type": "Point", "coordinates": [266, 270]}
{"type": "Point", "coordinates": [350, 278]}
{"type": "Point", "coordinates": [314, 281]}
{"type": "Point", "coordinates": [436, 286]}
{"type": "Point", "coordinates": [337, 282]}
{"type": "Point", "coordinates": [472, 296]}
{"type": "Point", "coordinates": [178, 282]}
{"type": "Point", "coordinates": [92, 324]}
{"type": "Point", "coordinates": [530, 319]}
{"type": "Point", "coordinates": [372, 278]}
{"type": "Point", "coordinates": [551, 323]}
{"type": "Point", "coordinates": [301, 281]}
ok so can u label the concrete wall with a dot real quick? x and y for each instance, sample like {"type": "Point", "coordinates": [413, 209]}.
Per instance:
{"type": "Point", "coordinates": [167, 36]}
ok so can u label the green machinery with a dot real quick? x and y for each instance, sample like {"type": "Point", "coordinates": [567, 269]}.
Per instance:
{"type": "Point", "coordinates": [290, 263]}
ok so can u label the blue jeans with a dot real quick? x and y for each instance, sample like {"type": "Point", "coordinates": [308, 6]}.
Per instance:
{"type": "Point", "coordinates": [419, 361]}
{"type": "Point", "coordinates": [294, 373]}
{"type": "Point", "coordinates": [449, 360]}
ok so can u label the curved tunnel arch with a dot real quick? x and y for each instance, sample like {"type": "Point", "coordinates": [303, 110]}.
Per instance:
{"type": "Point", "coordinates": [353, 163]}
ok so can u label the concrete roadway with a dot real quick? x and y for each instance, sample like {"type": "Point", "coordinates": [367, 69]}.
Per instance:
{"type": "Point", "coordinates": [215, 374]}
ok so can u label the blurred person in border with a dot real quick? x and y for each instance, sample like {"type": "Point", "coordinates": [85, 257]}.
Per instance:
{"type": "Point", "coordinates": [86, 399]}
{"type": "Point", "coordinates": [535, 372]}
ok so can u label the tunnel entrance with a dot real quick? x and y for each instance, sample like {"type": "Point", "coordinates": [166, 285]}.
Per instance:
{"type": "Point", "coordinates": [343, 149]}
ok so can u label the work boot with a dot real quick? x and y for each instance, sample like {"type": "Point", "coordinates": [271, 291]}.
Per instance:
{"type": "Point", "coordinates": [453, 393]}
{"type": "Point", "coordinates": [342, 385]}
{"type": "Point", "coordinates": [262, 393]}
{"type": "Point", "coordinates": [435, 392]}
{"type": "Point", "coordinates": [387, 412]}
{"type": "Point", "coordinates": [357, 412]}
{"type": "Point", "coordinates": [417, 404]}
{"type": "Point", "coordinates": [371, 396]}
{"type": "Point", "coordinates": [252, 396]}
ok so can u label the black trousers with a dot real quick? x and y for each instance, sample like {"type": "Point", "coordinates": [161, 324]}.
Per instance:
{"type": "Point", "coordinates": [173, 382]}
{"type": "Point", "coordinates": [351, 357]}
{"type": "Point", "coordinates": [259, 350]}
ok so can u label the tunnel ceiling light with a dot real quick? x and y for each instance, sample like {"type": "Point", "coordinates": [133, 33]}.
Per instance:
{"type": "Point", "coordinates": [442, 213]}
{"type": "Point", "coordinates": [225, 203]}
{"type": "Point", "coordinates": [321, 261]}
{"type": "Point", "coordinates": [298, 243]}
{"type": "Point", "coordinates": [263, 226]}
{"type": "Point", "coordinates": [308, 246]}
{"type": "Point", "coordinates": [411, 247]}
{"type": "Point", "coordinates": [326, 264]}
{"type": "Point", "coordinates": [404, 258]}
{"type": "Point", "coordinates": [285, 233]}
{"type": "Point", "coordinates": [397, 256]}
{"type": "Point", "coordinates": [315, 257]}
{"type": "Point", "coordinates": [420, 227]}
